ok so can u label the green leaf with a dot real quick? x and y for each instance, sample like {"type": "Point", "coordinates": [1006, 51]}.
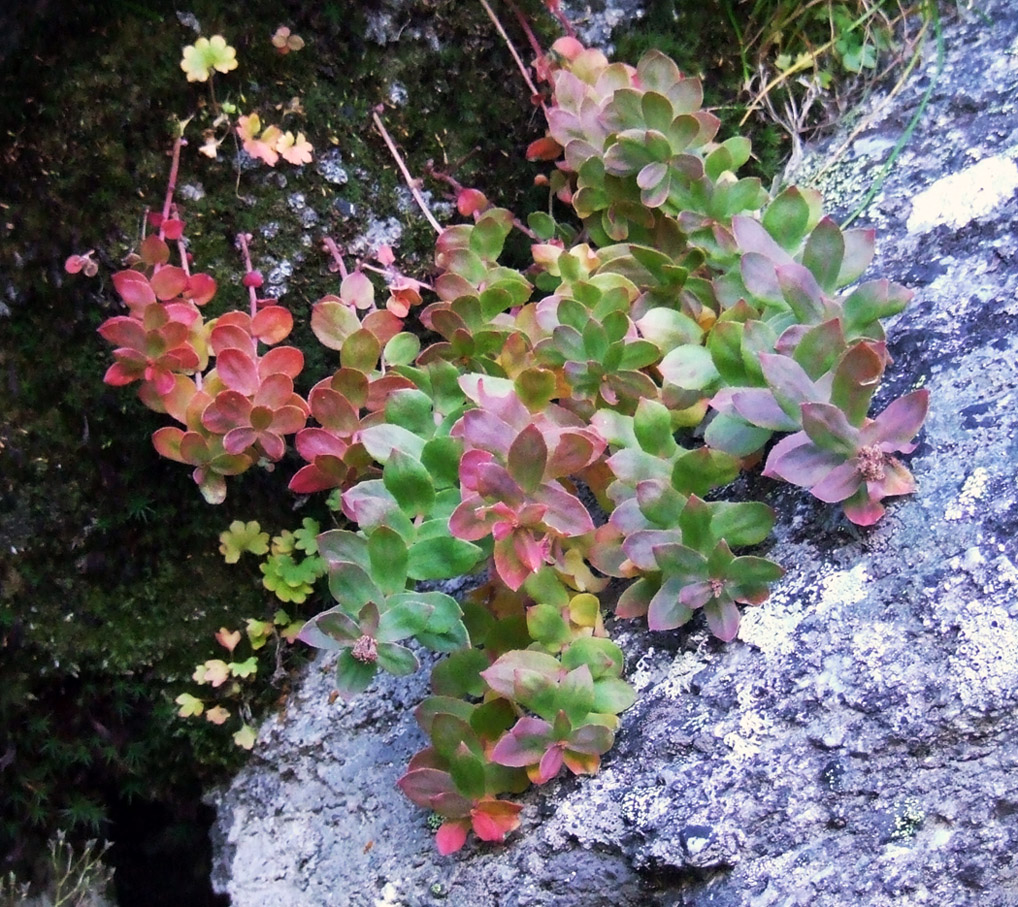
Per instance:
{"type": "Point", "coordinates": [602, 656]}
{"type": "Point", "coordinates": [467, 772]}
{"type": "Point", "coordinates": [546, 587]}
{"type": "Point", "coordinates": [387, 553]}
{"type": "Point", "coordinates": [411, 409]}
{"type": "Point", "coordinates": [442, 557]}
{"type": "Point", "coordinates": [542, 224]}
{"type": "Point", "coordinates": [352, 587]}
{"type": "Point", "coordinates": [735, 436]}
{"type": "Point", "coordinates": [653, 427]}
{"type": "Point", "coordinates": [535, 387]}
{"type": "Point", "coordinates": [742, 523]}
{"type": "Point", "coordinates": [872, 301]}
{"type": "Point", "coordinates": [575, 696]}
{"type": "Point", "coordinates": [695, 523]}
{"type": "Point", "coordinates": [787, 218]}
{"type": "Point", "coordinates": [360, 351]}
{"type": "Point", "coordinates": [527, 458]}
{"type": "Point", "coordinates": [689, 366]}
{"type": "Point", "coordinates": [353, 676]}
{"type": "Point", "coordinates": [547, 626]}
{"type": "Point", "coordinates": [396, 659]}
{"type": "Point", "coordinates": [701, 470]}
{"type": "Point", "coordinates": [824, 252]}
{"type": "Point", "coordinates": [241, 537]}
{"type": "Point", "coordinates": [612, 695]}
{"type": "Point", "coordinates": [401, 349]}
{"type": "Point", "coordinates": [460, 674]}
{"type": "Point", "coordinates": [381, 440]}
{"type": "Point", "coordinates": [245, 668]}
{"type": "Point", "coordinates": [407, 480]}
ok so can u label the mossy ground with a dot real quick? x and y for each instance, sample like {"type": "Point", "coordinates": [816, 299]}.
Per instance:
{"type": "Point", "coordinates": [111, 587]}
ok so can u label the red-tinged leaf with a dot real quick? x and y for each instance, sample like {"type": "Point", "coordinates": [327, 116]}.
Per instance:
{"type": "Point", "coordinates": [124, 371]}
{"type": "Point", "coordinates": [507, 670]}
{"type": "Point", "coordinates": [636, 599]}
{"type": "Point", "coordinates": [548, 767]}
{"type": "Point", "coordinates": [194, 448]}
{"type": "Point", "coordinates": [796, 459]}
{"type": "Point", "coordinates": [897, 481]}
{"type": "Point", "coordinates": [173, 228]}
{"type": "Point", "coordinates": [824, 253]}
{"type": "Point", "coordinates": [134, 288]}
{"type": "Point", "coordinates": [544, 149]}
{"type": "Point", "coordinates": [360, 351]}
{"type": "Point", "coordinates": [666, 611]}
{"type": "Point", "coordinates": [283, 360]}
{"type": "Point", "coordinates": [229, 410]}
{"type": "Point", "coordinates": [752, 237]}
{"type": "Point", "coordinates": [169, 282]}
{"type": "Point", "coordinates": [828, 428]}
{"type": "Point", "coordinates": [574, 452]}
{"type": "Point", "coordinates": [231, 336]}
{"type": "Point", "coordinates": [357, 290]}
{"type": "Point", "coordinates": [899, 423]}
{"type": "Point", "coordinates": [566, 514]}
{"type": "Point", "coordinates": [467, 523]}
{"type": "Point", "coordinates": [123, 331]}
{"type": "Point", "coordinates": [333, 410]}
{"type": "Point", "coordinates": [696, 595]}
{"type": "Point", "coordinates": [863, 510]}
{"type": "Point", "coordinates": [167, 443]}
{"type": "Point", "coordinates": [524, 745]}
{"type": "Point", "coordinates": [517, 557]}
{"type": "Point", "coordinates": [471, 201]}
{"type": "Point", "coordinates": [451, 836]}
{"type": "Point", "coordinates": [527, 457]}
{"type": "Point", "coordinates": [383, 324]}
{"type": "Point", "coordinates": [288, 419]}
{"type": "Point", "coordinates": [272, 324]}
{"type": "Point", "coordinates": [722, 618]}
{"type": "Point", "coordinates": [759, 407]}
{"type": "Point", "coordinates": [483, 429]}
{"type": "Point", "coordinates": [859, 249]}
{"type": "Point", "coordinates": [200, 288]}
{"type": "Point", "coordinates": [580, 763]}
{"type": "Point", "coordinates": [761, 278]}
{"type": "Point", "coordinates": [492, 820]}
{"type": "Point", "coordinates": [239, 440]}
{"type": "Point", "coordinates": [639, 546]}
{"type": "Point", "coordinates": [840, 483]}
{"type": "Point", "coordinates": [332, 321]}
{"type": "Point", "coordinates": [326, 472]}
{"type": "Point", "coordinates": [154, 251]}
{"type": "Point", "coordinates": [425, 785]}
{"type": "Point", "coordinates": [238, 371]}
{"type": "Point", "coordinates": [802, 293]}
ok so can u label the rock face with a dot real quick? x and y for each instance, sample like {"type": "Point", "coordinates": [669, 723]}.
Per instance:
{"type": "Point", "coordinates": [858, 743]}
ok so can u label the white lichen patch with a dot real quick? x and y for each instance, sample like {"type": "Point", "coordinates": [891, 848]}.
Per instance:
{"type": "Point", "coordinates": [843, 587]}
{"type": "Point", "coordinates": [745, 741]}
{"type": "Point", "coordinates": [770, 627]}
{"type": "Point", "coordinates": [959, 198]}
{"type": "Point", "coordinates": [968, 501]}
{"type": "Point", "coordinates": [985, 662]}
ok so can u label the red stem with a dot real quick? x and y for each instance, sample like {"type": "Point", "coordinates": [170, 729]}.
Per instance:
{"type": "Point", "coordinates": [252, 292]}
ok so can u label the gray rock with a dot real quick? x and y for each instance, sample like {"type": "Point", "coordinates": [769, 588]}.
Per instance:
{"type": "Point", "coordinates": [858, 742]}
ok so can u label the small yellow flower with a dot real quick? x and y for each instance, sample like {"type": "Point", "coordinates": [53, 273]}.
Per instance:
{"type": "Point", "coordinates": [207, 54]}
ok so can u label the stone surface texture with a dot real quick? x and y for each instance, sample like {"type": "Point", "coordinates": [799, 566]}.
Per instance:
{"type": "Point", "coordinates": [858, 743]}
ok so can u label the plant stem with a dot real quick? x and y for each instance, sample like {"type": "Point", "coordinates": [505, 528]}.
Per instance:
{"type": "Point", "coordinates": [512, 49]}
{"type": "Point", "coordinates": [410, 181]}
{"type": "Point", "coordinates": [242, 239]}
{"type": "Point", "coordinates": [171, 183]}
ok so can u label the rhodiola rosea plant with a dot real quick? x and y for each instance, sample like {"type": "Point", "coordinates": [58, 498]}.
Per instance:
{"type": "Point", "coordinates": [577, 419]}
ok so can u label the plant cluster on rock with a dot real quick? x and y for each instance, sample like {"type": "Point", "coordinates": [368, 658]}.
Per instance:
{"type": "Point", "coordinates": [563, 423]}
